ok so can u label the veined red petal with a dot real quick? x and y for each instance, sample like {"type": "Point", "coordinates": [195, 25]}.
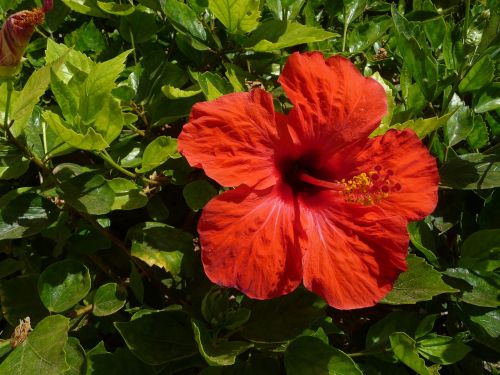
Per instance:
{"type": "Point", "coordinates": [354, 253]}
{"type": "Point", "coordinates": [333, 102]}
{"type": "Point", "coordinates": [232, 138]}
{"type": "Point", "coordinates": [414, 175]}
{"type": "Point", "coordinates": [250, 241]}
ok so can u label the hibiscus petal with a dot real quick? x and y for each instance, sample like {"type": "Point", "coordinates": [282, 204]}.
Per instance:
{"type": "Point", "coordinates": [332, 100]}
{"type": "Point", "coordinates": [232, 139]}
{"type": "Point", "coordinates": [354, 253]}
{"type": "Point", "coordinates": [402, 154]}
{"type": "Point", "coordinates": [250, 241]}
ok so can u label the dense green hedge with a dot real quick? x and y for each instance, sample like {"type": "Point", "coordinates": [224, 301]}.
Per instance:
{"type": "Point", "coordinates": [98, 210]}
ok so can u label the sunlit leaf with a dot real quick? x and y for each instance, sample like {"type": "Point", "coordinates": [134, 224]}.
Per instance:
{"type": "Point", "coordinates": [274, 35]}
{"type": "Point", "coordinates": [43, 350]}
{"type": "Point", "coordinates": [238, 16]}
{"type": "Point", "coordinates": [63, 284]}
{"type": "Point", "coordinates": [420, 282]}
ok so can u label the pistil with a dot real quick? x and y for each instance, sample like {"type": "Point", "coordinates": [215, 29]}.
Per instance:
{"type": "Point", "coordinates": [364, 188]}
{"type": "Point", "coordinates": [304, 177]}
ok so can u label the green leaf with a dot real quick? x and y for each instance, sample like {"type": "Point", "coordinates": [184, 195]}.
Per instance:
{"type": "Point", "coordinates": [223, 353]}
{"type": "Point", "coordinates": [256, 364]}
{"type": "Point", "coordinates": [34, 88]}
{"type": "Point", "coordinates": [12, 162]}
{"type": "Point", "coordinates": [98, 85]}
{"type": "Point", "coordinates": [10, 266]}
{"type": "Point", "coordinates": [115, 8]}
{"type": "Point", "coordinates": [416, 55]}
{"type": "Point", "coordinates": [481, 251]}
{"type": "Point", "coordinates": [471, 171]}
{"type": "Point", "coordinates": [15, 308]}
{"type": "Point", "coordinates": [425, 326]}
{"type": "Point", "coordinates": [24, 213]}
{"type": "Point", "coordinates": [434, 26]}
{"type": "Point", "coordinates": [75, 357]}
{"type": "Point", "coordinates": [109, 120]}
{"type": "Point", "coordinates": [442, 349]}
{"type": "Point", "coordinates": [64, 97]}
{"type": "Point", "coordinates": [478, 76]}
{"type": "Point", "coordinates": [405, 349]}
{"type": "Point", "coordinates": [160, 337]}
{"type": "Point", "coordinates": [478, 137]}
{"type": "Point", "coordinates": [271, 320]}
{"type": "Point", "coordinates": [364, 35]}
{"type": "Point", "coordinates": [238, 16]}
{"type": "Point", "coordinates": [274, 35]}
{"type": "Point", "coordinates": [198, 193]}
{"type": "Point", "coordinates": [121, 361]}
{"type": "Point", "coordinates": [128, 196]}
{"type": "Point", "coordinates": [377, 337]}
{"type": "Point", "coordinates": [184, 19]}
{"type": "Point", "coordinates": [386, 120]}
{"type": "Point", "coordinates": [236, 76]}
{"type": "Point", "coordinates": [73, 61]}
{"type": "Point", "coordinates": [484, 286]}
{"type": "Point", "coordinates": [483, 323]}
{"type": "Point", "coordinates": [88, 141]}
{"type": "Point", "coordinates": [213, 85]}
{"type": "Point", "coordinates": [424, 127]}
{"type": "Point", "coordinates": [488, 99]}
{"type": "Point", "coordinates": [285, 9]}
{"type": "Point", "coordinates": [310, 356]}
{"type": "Point", "coordinates": [138, 27]}
{"type": "Point", "coordinates": [33, 133]}
{"type": "Point", "coordinates": [43, 350]}
{"type": "Point", "coordinates": [488, 218]}
{"type": "Point", "coordinates": [63, 284]}
{"type": "Point", "coordinates": [421, 237]}
{"type": "Point", "coordinates": [86, 38]}
{"type": "Point", "coordinates": [94, 356]}
{"type": "Point", "coordinates": [89, 193]}
{"type": "Point", "coordinates": [353, 9]}
{"type": "Point", "coordinates": [87, 7]}
{"type": "Point", "coordinates": [108, 299]}
{"type": "Point", "coordinates": [158, 152]}
{"type": "Point", "coordinates": [136, 283]}
{"type": "Point", "coordinates": [157, 209]}
{"type": "Point", "coordinates": [172, 92]}
{"type": "Point", "coordinates": [161, 245]}
{"type": "Point", "coordinates": [420, 282]}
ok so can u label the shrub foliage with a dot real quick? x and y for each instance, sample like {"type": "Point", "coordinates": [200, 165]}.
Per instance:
{"type": "Point", "coordinates": [100, 269]}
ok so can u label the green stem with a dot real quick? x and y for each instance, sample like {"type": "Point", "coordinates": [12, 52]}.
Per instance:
{"type": "Point", "coordinates": [133, 46]}
{"type": "Point", "coordinates": [466, 21]}
{"type": "Point", "coordinates": [40, 164]}
{"type": "Point", "coordinates": [461, 74]}
{"type": "Point", "coordinates": [135, 130]}
{"type": "Point", "coordinates": [373, 352]}
{"type": "Point", "coordinates": [81, 311]}
{"type": "Point", "coordinates": [10, 88]}
{"type": "Point", "coordinates": [344, 38]}
{"type": "Point", "coordinates": [492, 149]}
{"type": "Point", "coordinates": [108, 159]}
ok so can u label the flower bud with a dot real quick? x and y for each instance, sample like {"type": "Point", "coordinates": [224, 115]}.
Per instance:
{"type": "Point", "coordinates": [15, 36]}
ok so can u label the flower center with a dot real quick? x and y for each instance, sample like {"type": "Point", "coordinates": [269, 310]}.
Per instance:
{"type": "Point", "coordinates": [365, 188]}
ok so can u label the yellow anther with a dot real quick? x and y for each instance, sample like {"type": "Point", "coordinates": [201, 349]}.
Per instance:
{"type": "Point", "coordinates": [368, 188]}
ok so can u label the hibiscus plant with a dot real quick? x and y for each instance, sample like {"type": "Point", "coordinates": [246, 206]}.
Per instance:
{"type": "Point", "coordinates": [249, 187]}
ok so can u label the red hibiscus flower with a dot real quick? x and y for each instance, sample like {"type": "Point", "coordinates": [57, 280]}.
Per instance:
{"type": "Point", "coordinates": [15, 36]}
{"type": "Point", "coordinates": [316, 199]}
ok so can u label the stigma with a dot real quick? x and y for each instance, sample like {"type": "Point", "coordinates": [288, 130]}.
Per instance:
{"type": "Point", "coordinates": [365, 188]}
